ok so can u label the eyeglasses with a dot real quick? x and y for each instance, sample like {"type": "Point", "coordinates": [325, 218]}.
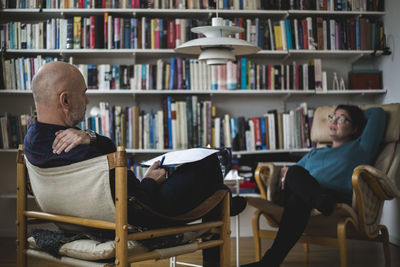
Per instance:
{"type": "Point", "coordinates": [339, 119]}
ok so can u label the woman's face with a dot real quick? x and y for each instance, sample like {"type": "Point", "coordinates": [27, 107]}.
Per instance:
{"type": "Point", "coordinates": [341, 127]}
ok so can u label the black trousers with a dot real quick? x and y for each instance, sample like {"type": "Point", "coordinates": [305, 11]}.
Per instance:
{"type": "Point", "coordinates": [302, 194]}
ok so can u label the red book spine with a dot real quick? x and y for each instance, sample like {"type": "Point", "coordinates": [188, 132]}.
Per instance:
{"type": "Point", "coordinates": [81, 3]}
{"type": "Point", "coordinates": [92, 32]}
{"type": "Point", "coordinates": [269, 76]}
{"type": "Point", "coordinates": [171, 34]}
{"type": "Point", "coordinates": [103, 4]}
{"type": "Point", "coordinates": [257, 132]}
{"type": "Point", "coordinates": [105, 29]}
{"type": "Point", "coordinates": [240, 22]}
{"type": "Point", "coordinates": [177, 32]}
{"type": "Point", "coordinates": [305, 34]}
{"type": "Point", "coordinates": [157, 33]}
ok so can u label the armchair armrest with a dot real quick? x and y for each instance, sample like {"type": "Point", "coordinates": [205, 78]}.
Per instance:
{"type": "Point", "coordinates": [267, 179]}
{"type": "Point", "coordinates": [371, 188]}
{"type": "Point", "coordinates": [377, 181]}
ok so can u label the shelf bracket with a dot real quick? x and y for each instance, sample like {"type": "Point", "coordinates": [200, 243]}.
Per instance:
{"type": "Point", "coordinates": [285, 98]}
{"type": "Point", "coordinates": [355, 58]}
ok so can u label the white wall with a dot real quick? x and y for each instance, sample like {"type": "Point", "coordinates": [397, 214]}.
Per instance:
{"type": "Point", "coordinates": [390, 65]}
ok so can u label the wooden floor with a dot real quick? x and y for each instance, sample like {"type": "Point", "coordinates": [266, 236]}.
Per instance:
{"type": "Point", "coordinates": [360, 254]}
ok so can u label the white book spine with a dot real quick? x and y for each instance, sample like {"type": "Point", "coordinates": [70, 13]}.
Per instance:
{"type": "Point", "coordinates": [325, 34]}
{"type": "Point", "coordinates": [227, 131]}
{"type": "Point", "coordinates": [251, 141]}
{"type": "Point", "coordinates": [296, 33]}
{"type": "Point", "coordinates": [283, 33]}
{"type": "Point", "coordinates": [217, 132]}
{"type": "Point", "coordinates": [332, 31]}
{"type": "Point", "coordinates": [311, 37]}
{"type": "Point", "coordinates": [305, 77]}
{"type": "Point", "coordinates": [271, 127]}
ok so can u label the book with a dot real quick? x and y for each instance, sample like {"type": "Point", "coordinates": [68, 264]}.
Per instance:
{"type": "Point", "coordinates": [177, 158]}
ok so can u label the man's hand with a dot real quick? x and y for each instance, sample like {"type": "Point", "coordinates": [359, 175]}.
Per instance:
{"type": "Point", "coordinates": [283, 176]}
{"type": "Point", "coordinates": [158, 175]}
{"type": "Point", "coordinates": [68, 139]}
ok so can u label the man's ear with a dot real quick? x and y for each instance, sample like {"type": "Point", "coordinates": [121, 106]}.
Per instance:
{"type": "Point", "coordinates": [64, 101]}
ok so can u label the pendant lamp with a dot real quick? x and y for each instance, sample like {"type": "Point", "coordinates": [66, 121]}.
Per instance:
{"type": "Point", "coordinates": [217, 47]}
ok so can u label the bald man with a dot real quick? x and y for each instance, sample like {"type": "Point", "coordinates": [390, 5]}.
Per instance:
{"type": "Point", "coordinates": [53, 140]}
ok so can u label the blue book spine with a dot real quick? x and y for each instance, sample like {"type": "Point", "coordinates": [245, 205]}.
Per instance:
{"type": "Point", "coordinates": [234, 127]}
{"type": "Point", "coordinates": [300, 32]}
{"type": "Point", "coordinates": [261, 31]}
{"type": "Point", "coordinates": [12, 46]}
{"type": "Point", "coordinates": [134, 31]}
{"type": "Point", "coordinates": [226, 4]}
{"type": "Point", "coordinates": [358, 45]}
{"type": "Point", "coordinates": [152, 130]}
{"type": "Point", "coordinates": [111, 119]}
{"type": "Point", "coordinates": [169, 122]}
{"type": "Point", "coordinates": [241, 4]}
{"type": "Point", "coordinates": [187, 75]}
{"type": "Point", "coordinates": [172, 75]}
{"type": "Point", "coordinates": [144, 76]}
{"type": "Point", "coordinates": [257, 33]}
{"type": "Point", "coordinates": [127, 33]}
{"type": "Point", "coordinates": [263, 133]}
{"type": "Point", "coordinates": [288, 34]}
{"type": "Point", "coordinates": [25, 75]}
{"type": "Point", "coordinates": [243, 73]}
{"type": "Point", "coordinates": [161, 22]}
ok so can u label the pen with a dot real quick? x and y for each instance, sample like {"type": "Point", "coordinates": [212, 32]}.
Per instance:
{"type": "Point", "coordinates": [161, 162]}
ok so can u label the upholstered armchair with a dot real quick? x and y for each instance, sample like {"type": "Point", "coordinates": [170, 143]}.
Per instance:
{"type": "Point", "coordinates": [372, 185]}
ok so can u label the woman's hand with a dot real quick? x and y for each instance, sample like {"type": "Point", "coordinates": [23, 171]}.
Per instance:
{"type": "Point", "coordinates": [68, 139]}
{"type": "Point", "coordinates": [153, 172]}
{"type": "Point", "coordinates": [283, 176]}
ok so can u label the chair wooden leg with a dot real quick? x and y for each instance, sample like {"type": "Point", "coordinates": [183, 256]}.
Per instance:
{"type": "Point", "coordinates": [385, 243]}
{"type": "Point", "coordinates": [225, 248]}
{"type": "Point", "coordinates": [306, 247]}
{"type": "Point", "coordinates": [256, 234]}
{"type": "Point", "coordinates": [341, 233]}
{"type": "Point", "coordinates": [21, 207]}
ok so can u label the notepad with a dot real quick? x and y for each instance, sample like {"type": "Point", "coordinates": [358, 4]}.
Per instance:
{"type": "Point", "coordinates": [179, 157]}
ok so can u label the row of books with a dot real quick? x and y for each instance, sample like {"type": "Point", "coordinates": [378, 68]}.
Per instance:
{"type": "Point", "coordinates": [354, 5]}
{"type": "Point", "coordinates": [192, 123]}
{"type": "Point", "coordinates": [13, 129]}
{"type": "Point", "coordinates": [327, 34]}
{"type": "Point", "coordinates": [176, 74]}
{"type": "Point", "coordinates": [106, 31]}
{"type": "Point", "coordinates": [17, 73]}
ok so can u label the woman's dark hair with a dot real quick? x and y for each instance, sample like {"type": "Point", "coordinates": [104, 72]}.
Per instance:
{"type": "Point", "coordinates": [357, 118]}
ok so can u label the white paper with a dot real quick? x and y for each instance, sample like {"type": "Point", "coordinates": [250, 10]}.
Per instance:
{"type": "Point", "coordinates": [181, 156]}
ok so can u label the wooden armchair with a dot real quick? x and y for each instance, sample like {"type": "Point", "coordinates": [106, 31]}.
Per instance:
{"type": "Point", "coordinates": [372, 185]}
{"type": "Point", "coordinates": [116, 220]}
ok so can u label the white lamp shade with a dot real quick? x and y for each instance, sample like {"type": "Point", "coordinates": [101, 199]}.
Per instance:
{"type": "Point", "coordinates": [217, 47]}
{"type": "Point", "coordinates": [238, 47]}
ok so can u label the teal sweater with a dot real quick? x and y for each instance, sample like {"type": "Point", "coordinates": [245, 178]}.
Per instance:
{"type": "Point", "coordinates": [333, 167]}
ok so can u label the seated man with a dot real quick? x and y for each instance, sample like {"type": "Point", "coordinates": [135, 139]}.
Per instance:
{"type": "Point", "coordinates": [53, 140]}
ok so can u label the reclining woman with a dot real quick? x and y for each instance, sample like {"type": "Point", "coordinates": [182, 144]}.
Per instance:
{"type": "Point", "coordinates": [323, 176]}
{"type": "Point", "coordinates": [59, 92]}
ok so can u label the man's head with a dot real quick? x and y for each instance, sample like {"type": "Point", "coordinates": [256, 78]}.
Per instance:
{"type": "Point", "coordinates": [59, 93]}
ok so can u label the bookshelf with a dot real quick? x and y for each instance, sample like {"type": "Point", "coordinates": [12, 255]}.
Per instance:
{"type": "Point", "coordinates": [247, 103]}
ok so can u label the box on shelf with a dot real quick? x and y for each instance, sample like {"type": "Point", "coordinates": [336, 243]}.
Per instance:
{"type": "Point", "coordinates": [365, 79]}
